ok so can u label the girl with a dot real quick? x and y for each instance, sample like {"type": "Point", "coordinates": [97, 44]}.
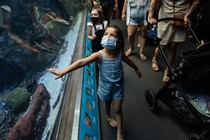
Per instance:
{"type": "Point", "coordinates": [111, 78]}
{"type": "Point", "coordinates": [96, 29]}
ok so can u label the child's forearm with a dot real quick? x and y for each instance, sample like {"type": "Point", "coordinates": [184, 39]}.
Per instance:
{"type": "Point", "coordinates": [90, 37]}
{"type": "Point", "coordinates": [76, 65]}
{"type": "Point", "coordinates": [133, 65]}
{"type": "Point", "coordinates": [130, 63]}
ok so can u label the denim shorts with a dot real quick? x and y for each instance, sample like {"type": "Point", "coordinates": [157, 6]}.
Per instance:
{"type": "Point", "coordinates": [135, 21]}
{"type": "Point", "coordinates": [137, 15]}
{"type": "Point", "coordinates": [111, 91]}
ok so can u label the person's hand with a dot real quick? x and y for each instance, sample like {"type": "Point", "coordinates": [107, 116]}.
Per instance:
{"type": "Point", "coordinates": [187, 20]}
{"type": "Point", "coordinates": [116, 7]}
{"type": "Point", "coordinates": [94, 37]}
{"type": "Point", "coordinates": [138, 73]}
{"type": "Point", "coordinates": [152, 20]}
{"type": "Point", "coordinates": [123, 17]}
{"type": "Point", "coordinates": [58, 73]}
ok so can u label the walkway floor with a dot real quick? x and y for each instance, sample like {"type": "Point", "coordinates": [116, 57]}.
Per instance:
{"type": "Point", "coordinates": [139, 122]}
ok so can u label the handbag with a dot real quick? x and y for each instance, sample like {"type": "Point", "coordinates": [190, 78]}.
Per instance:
{"type": "Point", "coordinates": [177, 16]}
{"type": "Point", "coordinates": [177, 23]}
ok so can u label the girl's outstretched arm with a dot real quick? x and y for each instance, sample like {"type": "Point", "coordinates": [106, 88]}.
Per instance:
{"type": "Point", "coordinates": [76, 65]}
{"type": "Point", "coordinates": [131, 64]}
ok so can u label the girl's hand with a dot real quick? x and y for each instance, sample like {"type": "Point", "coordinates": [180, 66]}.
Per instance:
{"type": "Point", "coordinates": [94, 37]}
{"type": "Point", "coordinates": [58, 73]}
{"type": "Point", "coordinates": [138, 73]}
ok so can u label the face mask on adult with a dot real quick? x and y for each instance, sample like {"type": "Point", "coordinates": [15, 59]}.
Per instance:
{"type": "Point", "coordinates": [94, 19]}
{"type": "Point", "coordinates": [109, 43]}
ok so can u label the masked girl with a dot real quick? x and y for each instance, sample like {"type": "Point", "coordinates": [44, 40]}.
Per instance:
{"type": "Point", "coordinates": [96, 29]}
{"type": "Point", "coordinates": [111, 77]}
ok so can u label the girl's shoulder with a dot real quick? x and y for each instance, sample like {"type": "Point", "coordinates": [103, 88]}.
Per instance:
{"type": "Point", "coordinates": [89, 24]}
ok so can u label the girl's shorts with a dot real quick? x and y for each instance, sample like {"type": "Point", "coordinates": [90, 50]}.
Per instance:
{"type": "Point", "coordinates": [111, 91]}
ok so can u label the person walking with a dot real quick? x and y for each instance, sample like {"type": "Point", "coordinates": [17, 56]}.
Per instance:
{"type": "Point", "coordinates": [134, 12]}
{"type": "Point", "coordinates": [111, 77]}
{"type": "Point", "coordinates": [170, 33]}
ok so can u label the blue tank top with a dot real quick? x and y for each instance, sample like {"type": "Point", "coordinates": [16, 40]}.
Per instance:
{"type": "Point", "coordinates": [111, 70]}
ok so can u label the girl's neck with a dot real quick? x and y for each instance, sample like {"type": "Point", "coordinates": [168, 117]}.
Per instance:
{"type": "Point", "coordinates": [111, 53]}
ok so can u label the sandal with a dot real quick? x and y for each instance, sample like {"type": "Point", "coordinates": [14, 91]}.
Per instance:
{"type": "Point", "coordinates": [111, 122]}
{"type": "Point", "coordinates": [165, 77]}
{"type": "Point", "coordinates": [128, 52]}
{"type": "Point", "coordinates": [142, 56]}
{"type": "Point", "coordinates": [155, 66]}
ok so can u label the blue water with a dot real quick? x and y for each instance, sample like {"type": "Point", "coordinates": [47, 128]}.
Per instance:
{"type": "Point", "coordinates": [56, 87]}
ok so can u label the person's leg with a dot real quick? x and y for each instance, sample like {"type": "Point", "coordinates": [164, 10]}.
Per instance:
{"type": "Point", "coordinates": [117, 106]}
{"type": "Point", "coordinates": [131, 29]}
{"type": "Point", "coordinates": [172, 48]}
{"type": "Point", "coordinates": [109, 119]}
{"type": "Point", "coordinates": [107, 105]}
{"type": "Point", "coordinates": [121, 4]}
{"type": "Point", "coordinates": [142, 41]}
{"type": "Point", "coordinates": [155, 66]}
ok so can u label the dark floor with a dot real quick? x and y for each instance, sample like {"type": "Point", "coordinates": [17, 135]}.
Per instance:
{"type": "Point", "coordinates": [139, 122]}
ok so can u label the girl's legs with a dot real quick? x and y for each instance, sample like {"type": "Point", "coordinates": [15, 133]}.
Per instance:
{"type": "Point", "coordinates": [107, 106]}
{"type": "Point", "coordinates": [131, 29]}
{"type": "Point", "coordinates": [142, 41]}
{"type": "Point", "coordinates": [117, 106]}
{"type": "Point", "coordinates": [110, 120]}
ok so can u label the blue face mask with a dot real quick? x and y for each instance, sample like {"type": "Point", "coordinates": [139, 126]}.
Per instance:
{"type": "Point", "coordinates": [109, 43]}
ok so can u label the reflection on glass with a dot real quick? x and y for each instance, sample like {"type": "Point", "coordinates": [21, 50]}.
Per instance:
{"type": "Point", "coordinates": [88, 104]}
{"type": "Point", "coordinates": [88, 137]}
{"type": "Point", "coordinates": [87, 120]}
{"type": "Point", "coordinates": [88, 91]}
